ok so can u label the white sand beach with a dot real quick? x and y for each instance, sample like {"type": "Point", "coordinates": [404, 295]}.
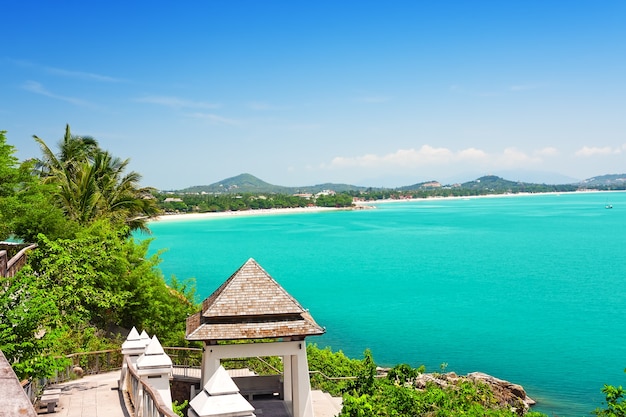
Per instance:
{"type": "Point", "coordinates": [357, 205]}
{"type": "Point", "coordinates": [258, 212]}
{"type": "Point", "coordinates": [472, 197]}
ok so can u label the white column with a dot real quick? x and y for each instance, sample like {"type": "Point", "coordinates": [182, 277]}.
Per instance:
{"type": "Point", "coordinates": [132, 348]}
{"type": "Point", "coordinates": [287, 382]}
{"type": "Point", "coordinates": [297, 387]}
{"type": "Point", "coordinates": [302, 402]}
{"type": "Point", "coordinates": [155, 367]}
{"type": "Point", "coordinates": [210, 362]}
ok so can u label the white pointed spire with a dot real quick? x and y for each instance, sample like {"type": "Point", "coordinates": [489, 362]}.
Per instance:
{"type": "Point", "coordinates": [220, 397]}
{"type": "Point", "coordinates": [221, 383]}
{"type": "Point", "coordinates": [144, 337]}
{"type": "Point", "coordinates": [133, 344]}
{"type": "Point", "coordinates": [154, 357]}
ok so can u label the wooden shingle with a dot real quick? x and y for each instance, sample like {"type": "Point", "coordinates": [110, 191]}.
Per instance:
{"type": "Point", "coordinates": [251, 305]}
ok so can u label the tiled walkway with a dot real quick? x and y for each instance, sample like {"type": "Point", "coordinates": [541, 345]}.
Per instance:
{"type": "Point", "coordinates": [90, 396]}
{"type": "Point", "coordinates": [98, 396]}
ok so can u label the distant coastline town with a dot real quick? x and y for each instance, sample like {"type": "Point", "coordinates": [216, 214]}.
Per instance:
{"type": "Point", "coordinates": [248, 195]}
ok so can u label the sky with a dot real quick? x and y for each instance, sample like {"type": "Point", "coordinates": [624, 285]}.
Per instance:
{"type": "Point", "coordinates": [372, 93]}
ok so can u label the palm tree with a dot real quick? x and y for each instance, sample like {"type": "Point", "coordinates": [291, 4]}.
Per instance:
{"type": "Point", "coordinates": [92, 184]}
{"type": "Point", "coordinates": [122, 199]}
{"type": "Point", "coordinates": [72, 151]}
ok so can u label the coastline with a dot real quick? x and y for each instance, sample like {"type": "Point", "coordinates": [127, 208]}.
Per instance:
{"type": "Point", "coordinates": [358, 205]}
{"type": "Point", "coordinates": [257, 212]}
{"type": "Point", "coordinates": [369, 204]}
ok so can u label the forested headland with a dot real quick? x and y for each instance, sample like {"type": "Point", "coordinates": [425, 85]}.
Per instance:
{"type": "Point", "coordinates": [89, 281]}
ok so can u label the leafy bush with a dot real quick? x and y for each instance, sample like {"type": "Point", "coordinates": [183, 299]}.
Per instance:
{"type": "Point", "coordinates": [326, 363]}
{"type": "Point", "coordinates": [615, 404]}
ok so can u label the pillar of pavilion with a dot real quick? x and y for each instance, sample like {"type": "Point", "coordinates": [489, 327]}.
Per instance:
{"type": "Point", "coordinates": [251, 305]}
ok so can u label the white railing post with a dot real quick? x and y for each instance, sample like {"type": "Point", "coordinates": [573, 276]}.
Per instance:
{"type": "Point", "coordinates": [132, 348]}
{"type": "Point", "coordinates": [155, 367]}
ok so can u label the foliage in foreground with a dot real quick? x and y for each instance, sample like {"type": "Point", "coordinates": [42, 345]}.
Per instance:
{"type": "Point", "coordinates": [91, 184]}
{"type": "Point", "coordinates": [88, 277]}
{"type": "Point", "coordinates": [88, 280]}
{"type": "Point", "coordinates": [393, 395]}
{"type": "Point", "coordinates": [615, 403]}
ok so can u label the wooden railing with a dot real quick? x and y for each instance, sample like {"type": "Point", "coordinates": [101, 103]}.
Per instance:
{"type": "Point", "coordinates": [146, 401]}
{"type": "Point", "coordinates": [89, 363]}
{"type": "Point", "coordinates": [13, 257]}
{"type": "Point", "coordinates": [186, 362]}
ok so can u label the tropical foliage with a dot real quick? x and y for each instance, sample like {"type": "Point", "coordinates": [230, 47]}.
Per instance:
{"type": "Point", "coordinates": [91, 183]}
{"type": "Point", "coordinates": [29, 326]}
{"type": "Point", "coordinates": [395, 395]}
{"type": "Point", "coordinates": [88, 279]}
{"type": "Point", "coordinates": [203, 203]}
{"type": "Point", "coordinates": [369, 393]}
{"type": "Point", "coordinates": [615, 404]}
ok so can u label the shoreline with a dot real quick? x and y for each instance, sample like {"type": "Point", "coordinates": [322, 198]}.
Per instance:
{"type": "Point", "coordinates": [257, 212]}
{"type": "Point", "coordinates": [472, 197]}
{"type": "Point", "coordinates": [358, 205]}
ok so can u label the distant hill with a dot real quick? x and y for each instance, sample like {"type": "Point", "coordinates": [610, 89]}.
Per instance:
{"type": "Point", "coordinates": [247, 183]}
{"type": "Point", "coordinates": [605, 180]}
{"type": "Point", "coordinates": [491, 182]}
{"type": "Point", "coordinates": [243, 183]}
{"type": "Point", "coordinates": [426, 185]}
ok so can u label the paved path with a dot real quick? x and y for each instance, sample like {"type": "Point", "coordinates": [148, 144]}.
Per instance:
{"type": "Point", "coordinates": [98, 396]}
{"type": "Point", "coordinates": [90, 396]}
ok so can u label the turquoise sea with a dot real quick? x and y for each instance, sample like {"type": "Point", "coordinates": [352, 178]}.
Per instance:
{"type": "Point", "coordinates": [526, 288]}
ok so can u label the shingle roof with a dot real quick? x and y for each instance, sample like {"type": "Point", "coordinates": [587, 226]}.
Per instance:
{"type": "Point", "coordinates": [250, 305]}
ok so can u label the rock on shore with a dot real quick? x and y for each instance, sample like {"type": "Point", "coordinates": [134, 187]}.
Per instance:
{"type": "Point", "coordinates": [507, 393]}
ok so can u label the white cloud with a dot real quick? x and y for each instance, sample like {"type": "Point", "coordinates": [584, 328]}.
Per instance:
{"type": "Point", "coordinates": [402, 157]}
{"type": "Point", "coordinates": [431, 157]}
{"type": "Point", "coordinates": [548, 151]}
{"type": "Point", "coordinates": [472, 154]}
{"type": "Point", "coordinates": [37, 88]}
{"type": "Point", "coordinates": [176, 102]}
{"type": "Point", "coordinates": [411, 157]}
{"type": "Point", "coordinates": [587, 151]}
{"type": "Point", "coordinates": [513, 156]}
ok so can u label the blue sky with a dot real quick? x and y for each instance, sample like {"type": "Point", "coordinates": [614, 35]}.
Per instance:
{"type": "Point", "coordinates": [370, 93]}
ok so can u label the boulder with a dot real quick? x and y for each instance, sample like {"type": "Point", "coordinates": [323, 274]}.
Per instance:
{"type": "Point", "coordinates": [78, 371]}
{"type": "Point", "coordinates": [506, 393]}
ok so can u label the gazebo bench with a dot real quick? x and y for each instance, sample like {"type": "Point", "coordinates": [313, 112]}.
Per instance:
{"type": "Point", "coordinates": [259, 385]}
{"type": "Point", "coordinates": [50, 399]}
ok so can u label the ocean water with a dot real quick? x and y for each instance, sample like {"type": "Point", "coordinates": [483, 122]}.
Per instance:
{"type": "Point", "coordinates": [526, 288]}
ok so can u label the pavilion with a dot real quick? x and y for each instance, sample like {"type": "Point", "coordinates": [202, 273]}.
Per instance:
{"type": "Point", "coordinates": [251, 305]}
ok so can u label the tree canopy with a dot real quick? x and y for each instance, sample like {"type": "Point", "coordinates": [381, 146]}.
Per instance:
{"type": "Point", "coordinates": [88, 279]}
{"type": "Point", "coordinates": [92, 184]}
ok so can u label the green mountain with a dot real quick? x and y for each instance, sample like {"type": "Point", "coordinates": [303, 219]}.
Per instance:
{"type": "Point", "coordinates": [243, 183]}
{"type": "Point", "coordinates": [605, 180]}
{"type": "Point", "coordinates": [491, 182]}
{"type": "Point", "coordinates": [426, 185]}
{"type": "Point", "coordinates": [247, 183]}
